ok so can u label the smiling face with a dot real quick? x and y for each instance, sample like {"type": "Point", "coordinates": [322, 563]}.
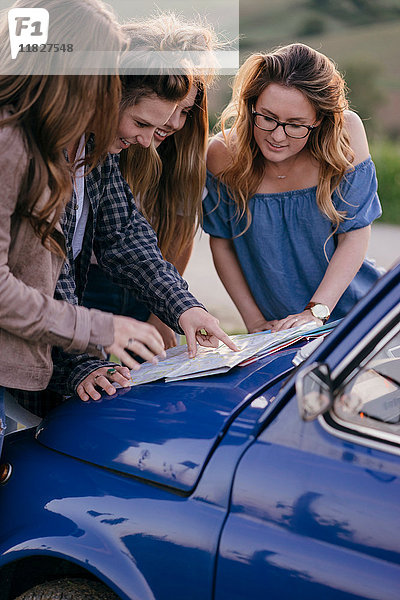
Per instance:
{"type": "Point", "coordinates": [288, 105]}
{"type": "Point", "coordinates": [138, 122]}
{"type": "Point", "coordinates": [178, 118]}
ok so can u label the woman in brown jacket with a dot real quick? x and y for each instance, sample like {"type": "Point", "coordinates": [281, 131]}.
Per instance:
{"type": "Point", "coordinates": [40, 115]}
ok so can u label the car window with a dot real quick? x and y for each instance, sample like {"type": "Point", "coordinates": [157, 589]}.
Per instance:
{"type": "Point", "coordinates": [370, 401]}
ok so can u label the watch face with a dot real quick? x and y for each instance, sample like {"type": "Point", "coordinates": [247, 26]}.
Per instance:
{"type": "Point", "coordinates": [320, 311]}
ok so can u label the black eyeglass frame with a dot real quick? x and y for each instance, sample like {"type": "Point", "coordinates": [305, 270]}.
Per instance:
{"type": "Point", "coordinates": [283, 125]}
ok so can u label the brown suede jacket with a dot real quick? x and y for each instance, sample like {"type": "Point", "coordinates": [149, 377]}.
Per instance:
{"type": "Point", "coordinates": [31, 320]}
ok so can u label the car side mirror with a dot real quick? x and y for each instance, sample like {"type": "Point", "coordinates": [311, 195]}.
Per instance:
{"type": "Point", "coordinates": [314, 391]}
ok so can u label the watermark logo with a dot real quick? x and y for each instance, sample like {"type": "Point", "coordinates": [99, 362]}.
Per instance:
{"type": "Point", "coordinates": [26, 26]}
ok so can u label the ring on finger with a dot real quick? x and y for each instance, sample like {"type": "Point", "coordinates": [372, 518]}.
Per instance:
{"type": "Point", "coordinates": [111, 371]}
{"type": "Point", "coordinates": [131, 341]}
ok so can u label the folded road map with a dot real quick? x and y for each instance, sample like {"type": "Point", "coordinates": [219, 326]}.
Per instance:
{"type": "Point", "coordinates": [212, 361]}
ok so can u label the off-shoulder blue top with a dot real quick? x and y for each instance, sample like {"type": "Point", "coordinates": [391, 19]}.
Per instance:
{"type": "Point", "coordinates": [282, 252]}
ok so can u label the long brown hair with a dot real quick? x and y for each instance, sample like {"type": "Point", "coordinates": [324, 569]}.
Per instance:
{"type": "Point", "coordinates": [54, 110]}
{"type": "Point", "coordinates": [170, 181]}
{"type": "Point", "coordinates": [316, 76]}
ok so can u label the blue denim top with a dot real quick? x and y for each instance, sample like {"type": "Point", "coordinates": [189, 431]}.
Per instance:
{"type": "Point", "coordinates": [282, 252]}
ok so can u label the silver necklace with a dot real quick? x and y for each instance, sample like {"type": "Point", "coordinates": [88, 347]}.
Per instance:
{"type": "Point", "coordinates": [294, 162]}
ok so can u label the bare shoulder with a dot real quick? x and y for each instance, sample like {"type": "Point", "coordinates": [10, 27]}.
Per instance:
{"type": "Point", "coordinates": [358, 137]}
{"type": "Point", "coordinates": [218, 156]}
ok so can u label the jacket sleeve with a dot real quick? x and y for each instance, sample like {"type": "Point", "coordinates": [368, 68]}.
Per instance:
{"type": "Point", "coordinates": [25, 311]}
{"type": "Point", "coordinates": [69, 370]}
{"type": "Point", "coordinates": [126, 248]}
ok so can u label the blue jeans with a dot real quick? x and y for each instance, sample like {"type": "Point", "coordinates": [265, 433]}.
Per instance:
{"type": "Point", "coordinates": [102, 293]}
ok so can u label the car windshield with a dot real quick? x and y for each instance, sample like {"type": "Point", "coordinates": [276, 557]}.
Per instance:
{"type": "Point", "coordinates": [371, 399]}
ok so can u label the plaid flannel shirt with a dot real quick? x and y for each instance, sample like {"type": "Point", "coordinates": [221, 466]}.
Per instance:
{"type": "Point", "coordinates": [126, 248]}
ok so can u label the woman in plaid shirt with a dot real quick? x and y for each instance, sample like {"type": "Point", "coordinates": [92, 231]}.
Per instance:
{"type": "Point", "coordinates": [125, 245]}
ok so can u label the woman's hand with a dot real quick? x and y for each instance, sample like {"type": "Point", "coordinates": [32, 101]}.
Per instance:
{"type": "Point", "coordinates": [103, 378]}
{"type": "Point", "coordinates": [261, 325]}
{"type": "Point", "coordinates": [138, 337]}
{"type": "Point", "coordinates": [168, 336]}
{"type": "Point", "coordinates": [296, 320]}
{"type": "Point", "coordinates": [194, 322]}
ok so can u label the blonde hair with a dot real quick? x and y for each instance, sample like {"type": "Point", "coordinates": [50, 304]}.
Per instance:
{"type": "Point", "coordinates": [163, 178]}
{"type": "Point", "coordinates": [55, 110]}
{"type": "Point", "coordinates": [316, 76]}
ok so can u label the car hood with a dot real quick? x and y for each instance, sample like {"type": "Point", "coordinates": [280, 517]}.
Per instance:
{"type": "Point", "coordinates": [161, 432]}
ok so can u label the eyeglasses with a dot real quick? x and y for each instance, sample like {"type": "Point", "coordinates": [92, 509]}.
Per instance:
{"type": "Point", "coordinates": [293, 130]}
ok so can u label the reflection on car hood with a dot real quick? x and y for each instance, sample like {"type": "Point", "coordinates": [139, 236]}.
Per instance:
{"type": "Point", "coordinates": [160, 432]}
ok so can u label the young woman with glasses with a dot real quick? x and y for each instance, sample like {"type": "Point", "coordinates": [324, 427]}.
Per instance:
{"type": "Point", "coordinates": [292, 192]}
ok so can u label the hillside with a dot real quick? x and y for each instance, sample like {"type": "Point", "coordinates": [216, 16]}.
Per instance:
{"type": "Point", "coordinates": [282, 21]}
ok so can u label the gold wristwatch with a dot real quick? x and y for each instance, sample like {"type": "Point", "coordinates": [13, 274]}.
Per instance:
{"type": "Point", "coordinates": [319, 311]}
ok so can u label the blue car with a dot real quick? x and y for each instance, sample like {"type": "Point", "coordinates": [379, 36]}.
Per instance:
{"type": "Point", "coordinates": [273, 481]}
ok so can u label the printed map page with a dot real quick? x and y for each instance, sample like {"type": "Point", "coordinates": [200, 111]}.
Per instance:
{"type": "Point", "coordinates": [210, 361]}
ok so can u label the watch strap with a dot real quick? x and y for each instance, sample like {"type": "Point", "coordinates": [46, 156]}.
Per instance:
{"type": "Point", "coordinates": [311, 305]}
